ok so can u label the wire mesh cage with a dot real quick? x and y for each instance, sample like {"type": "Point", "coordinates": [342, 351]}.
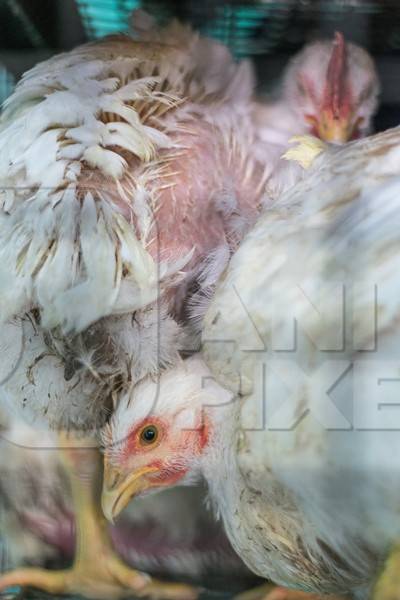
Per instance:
{"type": "Point", "coordinates": [259, 27]}
{"type": "Point", "coordinates": [249, 28]}
{"type": "Point", "coordinates": [106, 16]}
{"type": "Point", "coordinates": [6, 84]}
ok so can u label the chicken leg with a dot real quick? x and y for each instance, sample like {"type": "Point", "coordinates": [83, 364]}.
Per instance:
{"type": "Point", "coordinates": [97, 571]}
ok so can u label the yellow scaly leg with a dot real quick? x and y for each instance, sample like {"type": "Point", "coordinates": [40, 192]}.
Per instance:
{"type": "Point", "coordinates": [97, 571]}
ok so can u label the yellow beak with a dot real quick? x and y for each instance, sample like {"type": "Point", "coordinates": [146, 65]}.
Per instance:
{"type": "Point", "coordinates": [336, 130]}
{"type": "Point", "coordinates": [119, 490]}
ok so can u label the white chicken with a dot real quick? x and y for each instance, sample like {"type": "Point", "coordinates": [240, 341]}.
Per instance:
{"type": "Point", "coordinates": [298, 434]}
{"type": "Point", "coordinates": [113, 162]}
{"type": "Point", "coordinates": [329, 89]}
{"type": "Point", "coordinates": [102, 155]}
{"type": "Point", "coordinates": [128, 174]}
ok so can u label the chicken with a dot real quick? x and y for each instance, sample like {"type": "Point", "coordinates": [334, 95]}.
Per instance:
{"type": "Point", "coordinates": [104, 150]}
{"type": "Point", "coordinates": [163, 535]}
{"type": "Point", "coordinates": [294, 422]}
{"type": "Point", "coordinates": [123, 166]}
{"type": "Point", "coordinates": [328, 89]}
{"type": "Point", "coordinates": [129, 176]}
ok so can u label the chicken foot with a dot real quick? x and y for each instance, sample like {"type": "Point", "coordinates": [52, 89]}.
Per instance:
{"type": "Point", "coordinates": [97, 572]}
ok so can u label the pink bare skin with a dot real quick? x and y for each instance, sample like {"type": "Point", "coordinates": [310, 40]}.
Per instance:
{"type": "Point", "coordinates": [189, 213]}
{"type": "Point", "coordinates": [191, 185]}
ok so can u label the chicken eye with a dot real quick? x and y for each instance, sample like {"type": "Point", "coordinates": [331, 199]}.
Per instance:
{"type": "Point", "coordinates": [149, 435]}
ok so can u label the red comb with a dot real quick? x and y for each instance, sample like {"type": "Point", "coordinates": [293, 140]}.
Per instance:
{"type": "Point", "coordinates": [336, 93]}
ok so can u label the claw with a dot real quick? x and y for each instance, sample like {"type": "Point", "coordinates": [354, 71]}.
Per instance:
{"type": "Point", "coordinates": [170, 591]}
{"type": "Point", "coordinates": [114, 580]}
{"type": "Point", "coordinates": [50, 582]}
{"type": "Point", "coordinates": [97, 572]}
